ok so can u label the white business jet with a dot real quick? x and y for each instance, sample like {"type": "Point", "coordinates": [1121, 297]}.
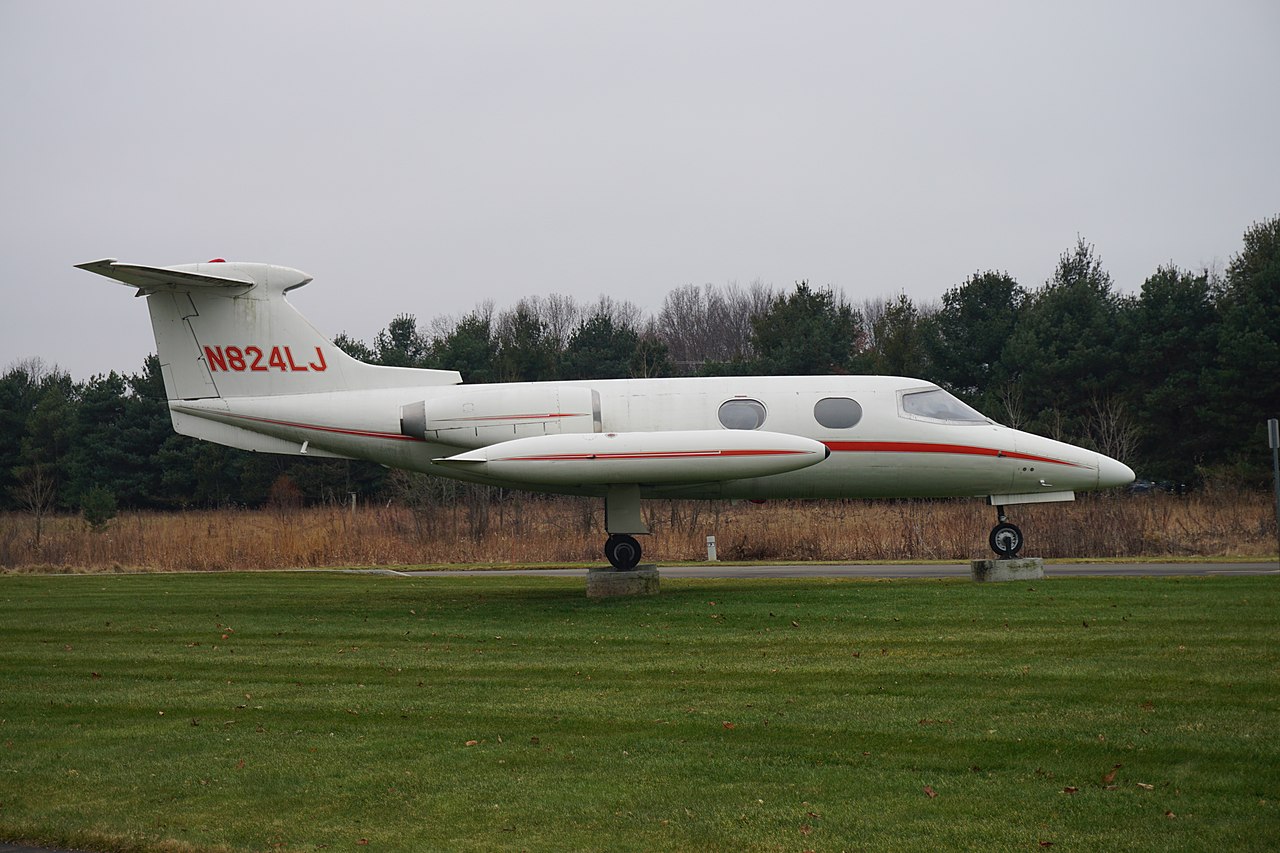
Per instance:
{"type": "Point", "coordinates": [243, 368]}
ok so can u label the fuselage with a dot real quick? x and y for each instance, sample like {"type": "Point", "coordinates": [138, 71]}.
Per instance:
{"type": "Point", "coordinates": [886, 436]}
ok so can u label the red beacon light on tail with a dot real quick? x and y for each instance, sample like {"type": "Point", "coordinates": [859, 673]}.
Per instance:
{"type": "Point", "coordinates": [216, 261]}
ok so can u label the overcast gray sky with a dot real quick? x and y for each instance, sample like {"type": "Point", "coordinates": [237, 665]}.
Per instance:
{"type": "Point", "coordinates": [421, 157]}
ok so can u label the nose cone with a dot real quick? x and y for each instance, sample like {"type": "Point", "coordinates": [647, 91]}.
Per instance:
{"type": "Point", "coordinates": [1112, 473]}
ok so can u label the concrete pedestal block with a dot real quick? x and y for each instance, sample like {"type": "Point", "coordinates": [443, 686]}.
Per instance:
{"type": "Point", "coordinates": [1021, 569]}
{"type": "Point", "coordinates": [608, 582]}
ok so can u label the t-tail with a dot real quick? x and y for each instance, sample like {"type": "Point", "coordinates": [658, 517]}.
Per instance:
{"type": "Point", "coordinates": [226, 330]}
{"type": "Point", "coordinates": [230, 345]}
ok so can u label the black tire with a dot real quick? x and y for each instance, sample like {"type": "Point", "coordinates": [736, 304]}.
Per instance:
{"type": "Point", "coordinates": [1006, 540]}
{"type": "Point", "coordinates": [622, 551]}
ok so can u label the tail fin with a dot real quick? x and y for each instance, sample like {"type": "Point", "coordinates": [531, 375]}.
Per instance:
{"type": "Point", "coordinates": [226, 330]}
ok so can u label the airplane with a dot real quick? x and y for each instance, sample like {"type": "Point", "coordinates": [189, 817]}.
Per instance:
{"type": "Point", "coordinates": [242, 367]}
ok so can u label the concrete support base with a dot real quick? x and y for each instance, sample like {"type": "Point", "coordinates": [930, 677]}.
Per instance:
{"type": "Point", "coordinates": [1021, 569]}
{"type": "Point", "coordinates": [610, 582]}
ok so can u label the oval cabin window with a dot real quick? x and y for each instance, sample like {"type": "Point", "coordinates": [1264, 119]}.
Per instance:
{"type": "Point", "coordinates": [837, 412]}
{"type": "Point", "coordinates": [742, 414]}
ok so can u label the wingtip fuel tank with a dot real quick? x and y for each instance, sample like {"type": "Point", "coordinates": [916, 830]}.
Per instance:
{"type": "Point", "coordinates": [669, 456]}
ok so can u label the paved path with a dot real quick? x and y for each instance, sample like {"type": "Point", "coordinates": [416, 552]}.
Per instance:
{"type": "Point", "coordinates": [914, 570]}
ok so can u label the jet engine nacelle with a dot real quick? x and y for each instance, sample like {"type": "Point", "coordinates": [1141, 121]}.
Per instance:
{"type": "Point", "coordinates": [475, 418]}
{"type": "Point", "coordinates": [677, 456]}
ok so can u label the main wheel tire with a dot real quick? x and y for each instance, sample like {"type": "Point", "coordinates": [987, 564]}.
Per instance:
{"type": "Point", "coordinates": [1006, 540]}
{"type": "Point", "coordinates": [622, 551]}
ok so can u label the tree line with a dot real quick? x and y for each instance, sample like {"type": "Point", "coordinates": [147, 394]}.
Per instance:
{"type": "Point", "coordinates": [1177, 380]}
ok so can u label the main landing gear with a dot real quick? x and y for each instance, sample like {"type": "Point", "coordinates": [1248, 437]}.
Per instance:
{"type": "Point", "coordinates": [623, 551]}
{"type": "Point", "coordinates": [621, 519]}
{"type": "Point", "coordinates": [1005, 539]}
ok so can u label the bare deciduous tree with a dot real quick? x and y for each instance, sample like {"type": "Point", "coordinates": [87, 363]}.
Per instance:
{"type": "Point", "coordinates": [1011, 402]}
{"type": "Point", "coordinates": [710, 323]}
{"type": "Point", "coordinates": [36, 490]}
{"type": "Point", "coordinates": [1111, 428]}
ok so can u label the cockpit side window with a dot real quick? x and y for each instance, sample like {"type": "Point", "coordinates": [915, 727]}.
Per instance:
{"type": "Point", "coordinates": [937, 405]}
{"type": "Point", "coordinates": [742, 413]}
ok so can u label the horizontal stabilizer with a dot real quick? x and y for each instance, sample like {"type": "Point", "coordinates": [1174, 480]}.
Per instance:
{"type": "Point", "coordinates": [159, 278]}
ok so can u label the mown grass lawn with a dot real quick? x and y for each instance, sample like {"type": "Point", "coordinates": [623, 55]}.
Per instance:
{"type": "Point", "coordinates": [322, 711]}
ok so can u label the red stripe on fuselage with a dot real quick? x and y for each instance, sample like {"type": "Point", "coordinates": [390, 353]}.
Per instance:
{"type": "Point", "coordinates": [927, 447]}
{"type": "Point", "coordinates": [835, 446]}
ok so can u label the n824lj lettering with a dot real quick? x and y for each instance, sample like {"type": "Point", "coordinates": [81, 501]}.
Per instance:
{"type": "Point", "coordinates": [254, 358]}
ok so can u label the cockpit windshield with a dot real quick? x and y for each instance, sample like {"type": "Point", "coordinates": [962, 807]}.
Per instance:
{"type": "Point", "coordinates": [938, 405]}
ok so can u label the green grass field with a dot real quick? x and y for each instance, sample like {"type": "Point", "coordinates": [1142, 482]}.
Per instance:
{"type": "Point", "coordinates": [323, 711]}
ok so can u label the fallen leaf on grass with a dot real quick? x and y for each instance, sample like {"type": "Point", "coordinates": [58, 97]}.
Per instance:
{"type": "Point", "coordinates": [1046, 843]}
{"type": "Point", "coordinates": [728, 725]}
{"type": "Point", "coordinates": [473, 743]}
{"type": "Point", "coordinates": [805, 829]}
{"type": "Point", "coordinates": [929, 790]}
{"type": "Point", "coordinates": [1111, 777]}
{"type": "Point", "coordinates": [1170, 815]}
{"type": "Point", "coordinates": [1071, 789]}
{"type": "Point", "coordinates": [1144, 786]}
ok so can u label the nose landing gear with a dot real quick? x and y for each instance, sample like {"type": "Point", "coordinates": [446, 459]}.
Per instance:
{"type": "Point", "coordinates": [1005, 539]}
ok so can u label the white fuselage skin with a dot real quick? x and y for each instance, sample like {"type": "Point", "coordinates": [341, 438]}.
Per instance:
{"type": "Point", "coordinates": [887, 453]}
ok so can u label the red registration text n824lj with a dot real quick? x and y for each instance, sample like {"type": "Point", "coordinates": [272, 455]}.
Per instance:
{"type": "Point", "coordinates": [251, 358]}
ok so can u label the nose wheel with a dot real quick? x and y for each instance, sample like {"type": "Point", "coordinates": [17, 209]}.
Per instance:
{"type": "Point", "coordinates": [1005, 539]}
{"type": "Point", "coordinates": [622, 551]}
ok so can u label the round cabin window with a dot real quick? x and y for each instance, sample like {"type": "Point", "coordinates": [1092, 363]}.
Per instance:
{"type": "Point", "coordinates": [837, 412]}
{"type": "Point", "coordinates": [742, 414]}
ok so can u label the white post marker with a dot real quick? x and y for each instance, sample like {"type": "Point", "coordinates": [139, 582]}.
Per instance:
{"type": "Point", "coordinates": [711, 550]}
{"type": "Point", "coordinates": [1273, 439]}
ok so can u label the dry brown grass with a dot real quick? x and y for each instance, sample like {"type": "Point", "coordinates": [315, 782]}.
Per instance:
{"type": "Point", "coordinates": [537, 529]}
